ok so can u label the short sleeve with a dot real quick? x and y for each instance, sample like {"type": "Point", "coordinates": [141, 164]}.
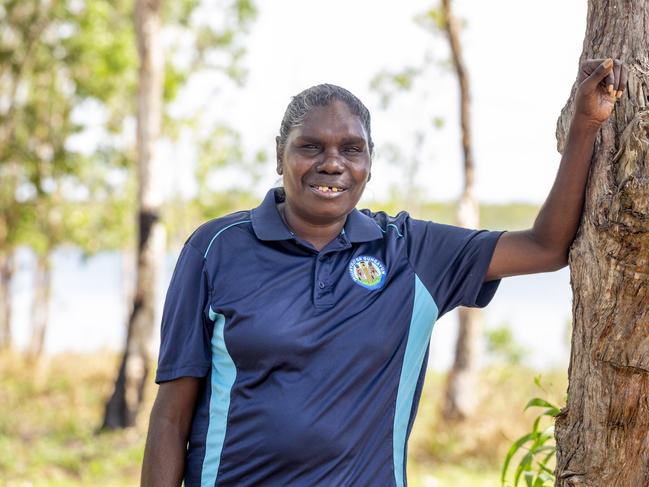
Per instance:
{"type": "Point", "coordinates": [185, 334]}
{"type": "Point", "coordinates": [452, 262]}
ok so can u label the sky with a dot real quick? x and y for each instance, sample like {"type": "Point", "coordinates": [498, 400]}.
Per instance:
{"type": "Point", "coordinates": [522, 59]}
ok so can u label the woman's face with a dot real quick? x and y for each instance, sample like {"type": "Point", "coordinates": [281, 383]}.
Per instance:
{"type": "Point", "coordinates": [325, 164]}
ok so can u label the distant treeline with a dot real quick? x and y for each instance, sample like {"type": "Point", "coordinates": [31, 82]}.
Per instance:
{"type": "Point", "coordinates": [509, 216]}
{"type": "Point", "coordinates": [183, 216]}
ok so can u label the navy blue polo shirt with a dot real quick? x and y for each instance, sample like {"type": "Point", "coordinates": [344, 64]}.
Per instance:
{"type": "Point", "coordinates": [313, 361]}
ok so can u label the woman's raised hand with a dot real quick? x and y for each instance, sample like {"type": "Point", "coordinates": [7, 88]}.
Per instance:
{"type": "Point", "coordinates": [601, 83]}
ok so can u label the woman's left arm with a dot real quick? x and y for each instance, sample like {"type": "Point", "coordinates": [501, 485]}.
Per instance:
{"type": "Point", "coordinates": [544, 247]}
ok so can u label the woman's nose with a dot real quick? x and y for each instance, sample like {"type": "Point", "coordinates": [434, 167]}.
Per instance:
{"type": "Point", "coordinates": [332, 163]}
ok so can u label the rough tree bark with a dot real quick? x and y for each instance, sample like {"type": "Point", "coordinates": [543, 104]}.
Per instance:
{"type": "Point", "coordinates": [603, 432]}
{"type": "Point", "coordinates": [460, 397]}
{"type": "Point", "coordinates": [125, 402]}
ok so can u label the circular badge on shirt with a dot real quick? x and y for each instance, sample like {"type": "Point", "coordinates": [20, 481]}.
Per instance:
{"type": "Point", "coordinates": [367, 271]}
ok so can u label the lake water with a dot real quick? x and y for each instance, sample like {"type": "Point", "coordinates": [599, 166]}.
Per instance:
{"type": "Point", "coordinates": [88, 311]}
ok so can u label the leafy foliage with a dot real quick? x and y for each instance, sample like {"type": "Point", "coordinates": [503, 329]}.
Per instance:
{"type": "Point", "coordinates": [538, 449]}
{"type": "Point", "coordinates": [502, 345]}
{"type": "Point", "coordinates": [59, 59]}
{"type": "Point", "coordinates": [208, 43]}
{"type": "Point", "coordinates": [387, 83]}
{"type": "Point", "coordinates": [212, 32]}
{"type": "Point", "coordinates": [63, 53]}
{"type": "Point", "coordinates": [420, 79]}
{"type": "Point", "coordinates": [68, 80]}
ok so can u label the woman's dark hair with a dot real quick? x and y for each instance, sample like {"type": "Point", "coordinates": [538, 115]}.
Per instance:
{"type": "Point", "coordinates": [319, 96]}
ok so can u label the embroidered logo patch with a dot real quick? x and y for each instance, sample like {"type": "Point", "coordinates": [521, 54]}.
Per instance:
{"type": "Point", "coordinates": [368, 272]}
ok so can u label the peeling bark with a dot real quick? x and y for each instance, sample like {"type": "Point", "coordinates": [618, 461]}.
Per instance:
{"type": "Point", "coordinates": [603, 432]}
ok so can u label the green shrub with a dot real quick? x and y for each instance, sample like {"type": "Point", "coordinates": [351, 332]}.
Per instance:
{"type": "Point", "coordinates": [537, 447]}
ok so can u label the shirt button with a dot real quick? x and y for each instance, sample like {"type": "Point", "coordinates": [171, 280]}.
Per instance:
{"type": "Point", "coordinates": [321, 285]}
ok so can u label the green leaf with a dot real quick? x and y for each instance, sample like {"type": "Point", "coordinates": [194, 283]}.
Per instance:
{"type": "Point", "coordinates": [529, 478]}
{"type": "Point", "coordinates": [552, 412]}
{"type": "Point", "coordinates": [537, 401]}
{"type": "Point", "coordinates": [551, 454]}
{"type": "Point", "coordinates": [523, 465]}
{"type": "Point", "coordinates": [533, 467]}
{"type": "Point", "coordinates": [511, 452]}
{"type": "Point", "coordinates": [538, 482]}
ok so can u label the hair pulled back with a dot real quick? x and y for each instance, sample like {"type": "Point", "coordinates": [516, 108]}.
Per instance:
{"type": "Point", "coordinates": [319, 96]}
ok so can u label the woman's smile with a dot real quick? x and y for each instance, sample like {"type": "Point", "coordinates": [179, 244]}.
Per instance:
{"type": "Point", "coordinates": [327, 191]}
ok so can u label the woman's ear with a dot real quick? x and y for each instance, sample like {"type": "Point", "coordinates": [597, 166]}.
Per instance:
{"type": "Point", "coordinates": [278, 155]}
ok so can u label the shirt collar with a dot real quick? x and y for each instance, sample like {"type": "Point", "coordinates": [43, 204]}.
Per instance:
{"type": "Point", "coordinates": [267, 223]}
{"type": "Point", "coordinates": [361, 228]}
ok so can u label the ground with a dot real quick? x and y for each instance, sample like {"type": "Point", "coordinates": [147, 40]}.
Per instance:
{"type": "Point", "coordinates": [49, 414]}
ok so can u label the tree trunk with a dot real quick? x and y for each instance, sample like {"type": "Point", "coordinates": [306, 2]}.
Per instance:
{"type": "Point", "coordinates": [461, 388]}
{"type": "Point", "coordinates": [603, 432]}
{"type": "Point", "coordinates": [40, 305]}
{"type": "Point", "coordinates": [6, 275]}
{"type": "Point", "coordinates": [125, 402]}
{"type": "Point", "coordinates": [462, 383]}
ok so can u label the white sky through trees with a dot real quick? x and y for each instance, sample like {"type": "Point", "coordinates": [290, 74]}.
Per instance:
{"type": "Point", "coordinates": [522, 58]}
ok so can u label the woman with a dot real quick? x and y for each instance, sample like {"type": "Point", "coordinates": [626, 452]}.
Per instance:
{"type": "Point", "coordinates": [294, 335]}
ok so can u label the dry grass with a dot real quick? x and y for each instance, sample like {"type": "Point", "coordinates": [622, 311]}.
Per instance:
{"type": "Point", "coordinates": [480, 443]}
{"type": "Point", "coordinates": [49, 417]}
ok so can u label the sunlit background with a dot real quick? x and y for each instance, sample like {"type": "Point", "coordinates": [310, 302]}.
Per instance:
{"type": "Point", "coordinates": [522, 60]}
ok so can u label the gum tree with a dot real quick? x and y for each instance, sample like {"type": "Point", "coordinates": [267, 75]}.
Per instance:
{"type": "Point", "coordinates": [462, 382]}
{"type": "Point", "coordinates": [603, 432]}
{"type": "Point", "coordinates": [215, 46]}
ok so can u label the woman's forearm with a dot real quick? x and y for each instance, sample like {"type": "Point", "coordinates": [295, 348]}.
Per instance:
{"type": "Point", "coordinates": [169, 426]}
{"type": "Point", "coordinates": [557, 222]}
{"type": "Point", "coordinates": [164, 455]}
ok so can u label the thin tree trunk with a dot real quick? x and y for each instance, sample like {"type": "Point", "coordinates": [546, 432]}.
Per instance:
{"type": "Point", "coordinates": [127, 278]}
{"type": "Point", "coordinates": [8, 221]}
{"type": "Point", "coordinates": [125, 402]}
{"type": "Point", "coordinates": [40, 305]}
{"type": "Point", "coordinates": [603, 432]}
{"type": "Point", "coordinates": [6, 276]}
{"type": "Point", "coordinates": [462, 383]}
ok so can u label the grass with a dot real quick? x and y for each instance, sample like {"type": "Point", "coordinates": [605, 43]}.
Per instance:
{"type": "Point", "coordinates": [49, 417]}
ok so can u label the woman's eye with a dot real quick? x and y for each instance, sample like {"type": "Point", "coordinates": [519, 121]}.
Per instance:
{"type": "Point", "coordinates": [352, 150]}
{"type": "Point", "coordinates": [310, 147]}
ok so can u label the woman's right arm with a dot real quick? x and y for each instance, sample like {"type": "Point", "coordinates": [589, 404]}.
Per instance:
{"type": "Point", "coordinates": [169, 425]}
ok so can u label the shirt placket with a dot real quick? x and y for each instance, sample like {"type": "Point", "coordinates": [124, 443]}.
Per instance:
{"type": "Point", "coordinates": [323, 285]}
